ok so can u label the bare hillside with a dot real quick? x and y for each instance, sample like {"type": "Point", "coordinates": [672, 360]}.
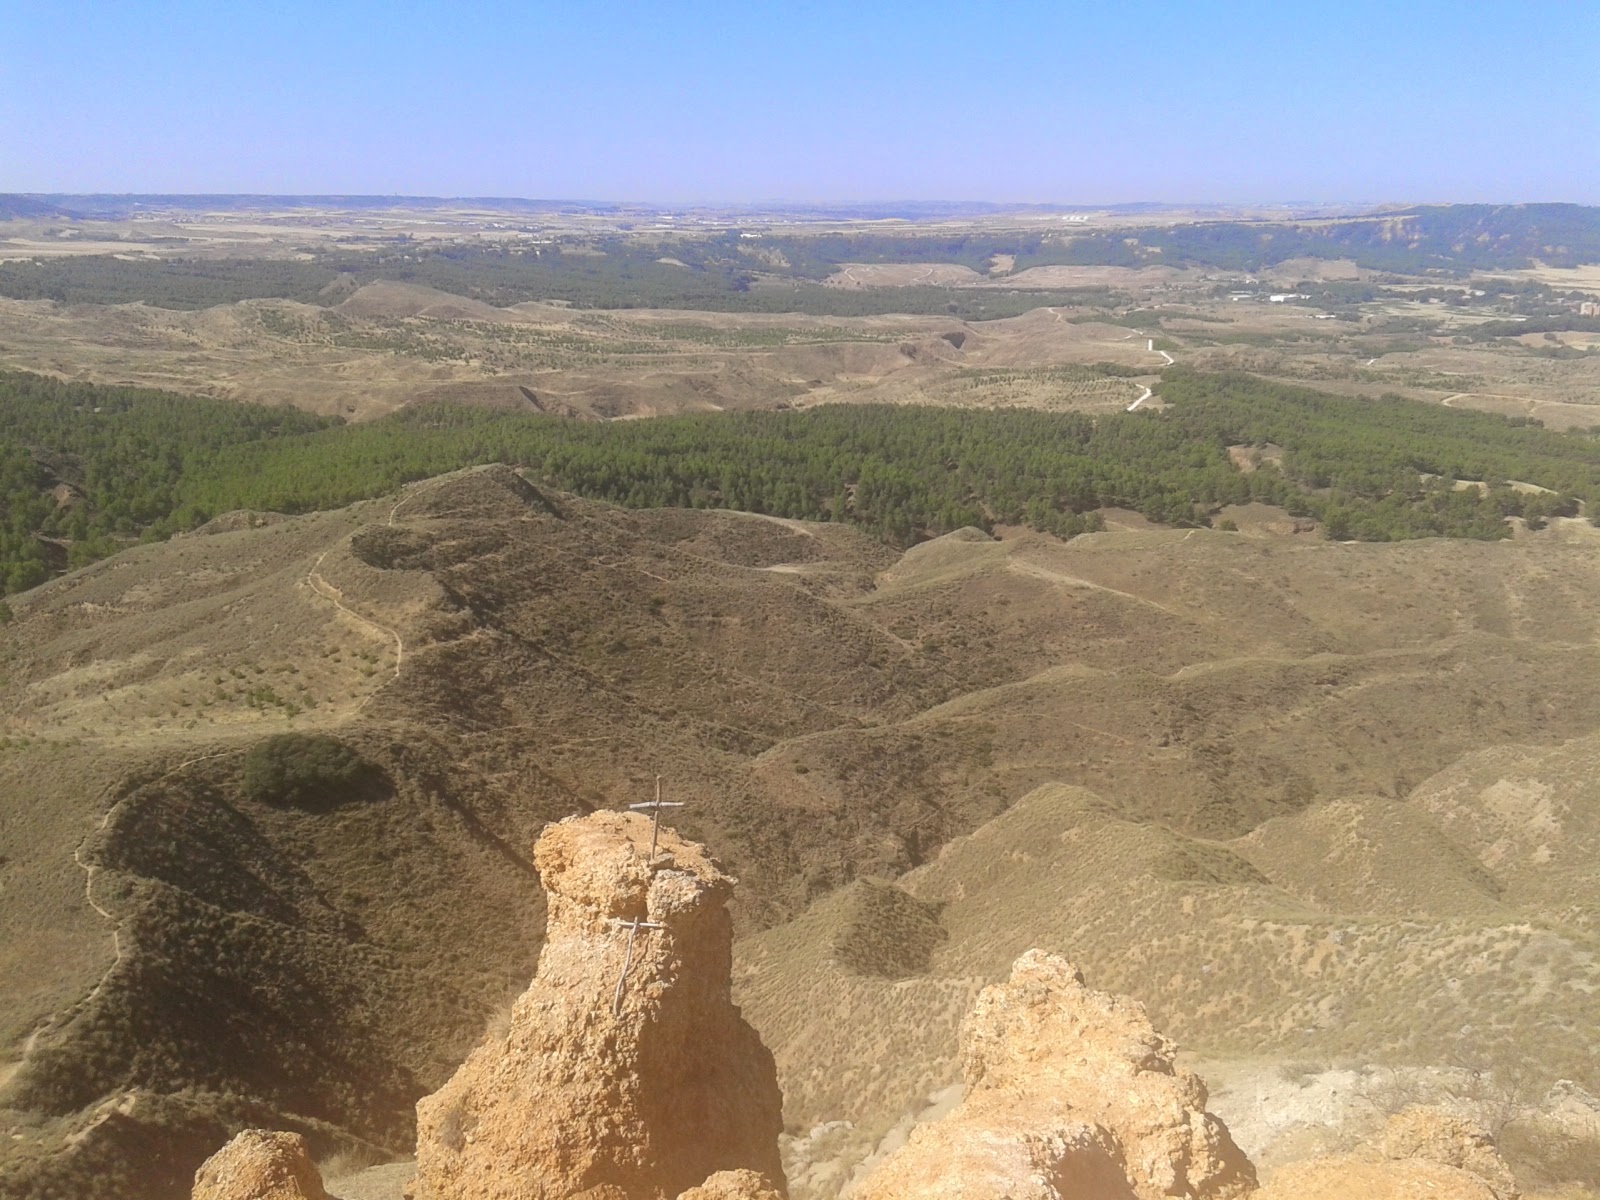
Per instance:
{"type": "Point", "coordinates": [391, 344]}
{"type": "Point", "coordinates": [206, 927]}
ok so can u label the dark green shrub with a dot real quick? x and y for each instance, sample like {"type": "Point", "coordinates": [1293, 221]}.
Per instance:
{"type": "Point", "coordinates": [307, 770]}
{"type": "Point", "coordinates": [886, 932]}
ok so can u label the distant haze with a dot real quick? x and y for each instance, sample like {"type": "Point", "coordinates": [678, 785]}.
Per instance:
{"type": "Point", "coordinates": [826, 102]}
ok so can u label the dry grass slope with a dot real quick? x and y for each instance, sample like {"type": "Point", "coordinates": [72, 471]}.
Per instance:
{"type": "Point", "coordinates": [832, 711]}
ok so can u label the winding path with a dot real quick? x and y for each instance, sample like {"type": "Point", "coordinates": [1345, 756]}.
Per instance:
{"type": "Point", "coordinates": [1147, 391]}
{"type": "Point", "coordinates": [7, 1070]}
{"type": "Point", "coordinates": [319, 585]}
{"type": "Point", "coordinates": [411, 492]}
{"type": "Point", "coordinates": [90, 870]}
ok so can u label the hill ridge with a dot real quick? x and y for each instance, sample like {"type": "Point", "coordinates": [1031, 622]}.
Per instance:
{"type": "Point", "coordinates": [853, 719]}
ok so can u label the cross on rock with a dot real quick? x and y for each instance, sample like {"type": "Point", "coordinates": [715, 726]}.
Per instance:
{"type": "Point", "coordinates": [637, 924]}
{"type": "Point", "coordinates": [657, 804]}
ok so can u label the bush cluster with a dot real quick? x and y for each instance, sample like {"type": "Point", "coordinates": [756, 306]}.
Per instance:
{"type": "Point", "coordinates": [306, 770]}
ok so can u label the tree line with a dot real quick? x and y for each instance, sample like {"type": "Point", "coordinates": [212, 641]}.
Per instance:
{"type": "Point", "coordinates": [730, 272]}
{"type": "Point", "coordinates": [84, 469]}
{"type": "Point", "coordinates": [613, 275]}
{"type": "Point", "coordinates": [147, 464]}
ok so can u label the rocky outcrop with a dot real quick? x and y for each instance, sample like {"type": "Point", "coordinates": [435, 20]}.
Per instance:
{"type": "Point", "coordinates": [1343, 1178]}
{"type": "Point", "coordinates": [1434, 1135]}
{"type": "Point", "coordinates": [1070, 1093]}
{"type": "Point", "coordinates": [626, 1072]}
{"type": "Point", "coordinates": [734, 1185]}
{"type": "Point", "coordinates": [1421, 1152]}
{"type": "Point", "coordinates": [260, 1165]}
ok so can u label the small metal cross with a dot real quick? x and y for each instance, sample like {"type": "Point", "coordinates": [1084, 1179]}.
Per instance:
{"type": "Point", "coordinates": [637, 924]}
{"type": "Point", "coordinates": [657, 804]}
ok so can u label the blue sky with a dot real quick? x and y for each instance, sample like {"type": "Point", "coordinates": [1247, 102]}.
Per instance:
{"type": "Point", "coordinates": [1073, 103]}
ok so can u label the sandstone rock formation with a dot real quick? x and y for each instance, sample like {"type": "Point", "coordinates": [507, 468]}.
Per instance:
{"type": "Point", "coordinates": [1070, 1093]}
{"type": "Point", "coordinates": [1421, 1152]}
{"type": "Point", "coordinates": [260, 1165]}
{"type": "Point", "coordinates": [1434, 1135]}
{"type": "Point", "coordinates": [626, 1072]}
{"type": "Point", "coordinates": [1344, 1178]}
{"type": "Point", "coordinates": [734, 1185]}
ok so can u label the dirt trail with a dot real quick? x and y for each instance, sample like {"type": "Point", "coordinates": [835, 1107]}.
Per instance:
{"type": "Point", "coordinates": [410, 493]}
{"type": "Point", "coordinates": [1213, 665]}
{"type": "Point", "coordinates": [319, 585]}
{"type": "Point", "coordinates": [1024, 567]}
{"type": "Point", "coordinates": [1447, 401]}
{"type": "Point", "coordinates": [790, 523]}
{"type": "Point", "coordinates": [89, 870]}
{"type": "Point", "coordinates": [1148, 392]}
{"type": "Point", "coordinates": [8, 1070]}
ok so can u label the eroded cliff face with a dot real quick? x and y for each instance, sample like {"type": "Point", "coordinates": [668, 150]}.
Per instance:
{"type": "Point", "coordinates": [1070, 1093]}
{"type": "Point", "coordinates": [626, 1072]}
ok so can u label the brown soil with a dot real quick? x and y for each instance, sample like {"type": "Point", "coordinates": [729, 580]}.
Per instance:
{"type": "Point", "coordinates": [507, 657]}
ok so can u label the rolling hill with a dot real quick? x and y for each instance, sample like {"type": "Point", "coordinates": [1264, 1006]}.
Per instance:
{"type": "Point", "coordinates": [1136, 746]}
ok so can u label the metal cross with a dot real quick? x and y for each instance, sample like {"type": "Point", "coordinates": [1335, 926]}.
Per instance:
{"type": "Point", "coordinates": [637, 924]}
{"type": "Point", "coordinates": [658, 804]}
